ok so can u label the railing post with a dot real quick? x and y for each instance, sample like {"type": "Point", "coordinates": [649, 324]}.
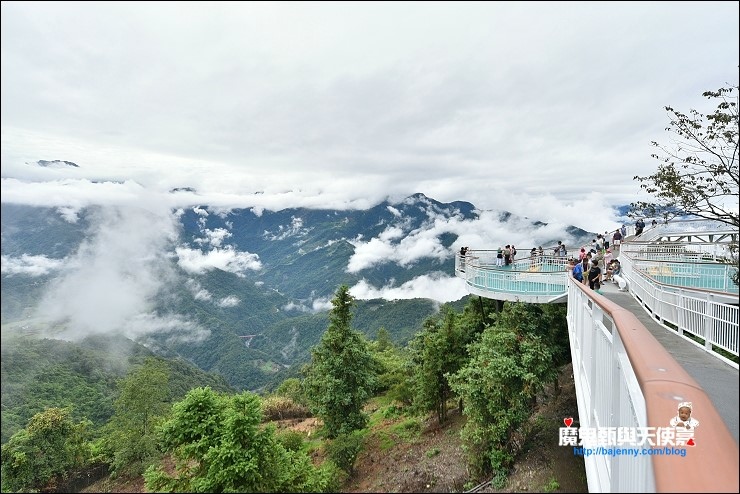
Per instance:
{"type": "Point", "coordinates": [708, 323]}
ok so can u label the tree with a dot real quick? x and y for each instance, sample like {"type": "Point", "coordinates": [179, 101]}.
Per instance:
{"type": "Point", "coordinates": [513, 361]}
{"type": "Point", "coordinates": [698, 173]}
{"type": "Point", "coordinates": [219, 446]}
{"type": "Point", "coordinates": [46, 450]}
{"type": "Point", "coordinates": [342, 374]}
{"type": "Point", "coordinates": [437, 352]}
{"type": "Point", "coordinates": [383, 339]}
{"type": "Point", "coordinates": [143, 401]}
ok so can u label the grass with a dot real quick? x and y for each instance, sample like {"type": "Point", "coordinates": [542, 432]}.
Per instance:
{"type": "Point", "coordinates": [432, 452]}
{"type": "Point", "coordinates": [552, 485]}
{"type": "Point", "coordinates": [407, 429]}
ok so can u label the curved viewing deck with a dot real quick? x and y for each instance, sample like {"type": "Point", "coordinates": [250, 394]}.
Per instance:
{"type": "Point", "coordinates": [672, 337]}
{"type": "Point", "coordinates": [537, 279]}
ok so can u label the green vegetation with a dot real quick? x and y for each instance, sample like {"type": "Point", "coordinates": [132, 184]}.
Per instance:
{"type": "Point", "coordinates": [343, 450]}
{"type": "Point", "coordinates": [551, 486]}
{"type": "Point", "coordinates": [38, 374]}
{"type": "Point", "coordinates": [219, 446]}
{"type": "Point", "coordinates": [437, 352]}
{"type": "Point", "coordinates": [512, 361]}
{"type": "Point", "coordinates": [699, 173]}
{"type": "Point", "coordinates": [342, 374]}
{"type": "Point", "coordinates": [130, 441]}
{"type": "Point", "coordinates": [50, 447]}
{"type": "Point", "coordinates": [489, 363]}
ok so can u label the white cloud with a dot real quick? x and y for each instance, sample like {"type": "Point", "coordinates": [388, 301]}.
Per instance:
{"type": "Point", "coordinates": [404, 248]}
{"type": "Point", "coordinates": [199, 293]}
{"type": "Point", "coordinates": [321, 304]}
{"type": "Point", "coordinates": [214, 237]}
{"type": "Point", "coordinates": [320, 106]}
{"type": "Point", "coordinates": [230, 301]}
{"type": "Point", "coordinates": [395, 212]}
{"type": "Point", "coordinates": [295, 229]}
{"type": "Point", "coordinates": [111, 283]}
{"type": "Point", "coordinates": [69, 214]}
{"type": "Point", "coordinates": [227, 259]}
{"type": "Point", "coordinates": [436, 286]}
{"type": "Point", "coordinates": [30, 265]}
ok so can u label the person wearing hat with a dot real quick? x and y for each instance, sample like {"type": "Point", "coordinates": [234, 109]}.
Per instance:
{"type": "Point", "coordinates": [684, 419]}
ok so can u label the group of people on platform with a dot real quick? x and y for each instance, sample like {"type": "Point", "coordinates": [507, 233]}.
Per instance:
{"type": "Point", "coordinates": [507, 255]}
{"type": "Point", "coordinates": [592, 267]}
{"type": "Point", "coordinates": [596, 266]}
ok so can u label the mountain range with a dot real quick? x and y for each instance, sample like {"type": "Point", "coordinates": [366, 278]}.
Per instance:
{"type": "Point", "coordinates": [243, 293]}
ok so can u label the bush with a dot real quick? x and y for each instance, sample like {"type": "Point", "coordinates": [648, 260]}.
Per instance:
{"type": "Point", "coordinates": [291, 440]}
{"type": "Point", "coordinates": [329, 477]}
{"type": "Point", "coordinates": [282, 407]}
{"type": "Point", "coordinates": [293, 389]}
{"type": "Point", "coordinates": [344, 449]}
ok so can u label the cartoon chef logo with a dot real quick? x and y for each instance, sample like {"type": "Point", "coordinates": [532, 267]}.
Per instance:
{"type": "Point", "coordinates": [684, 424]}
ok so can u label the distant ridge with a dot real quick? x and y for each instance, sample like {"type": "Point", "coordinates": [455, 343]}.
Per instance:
{"type": "Point", "coordinates": [56, 164]}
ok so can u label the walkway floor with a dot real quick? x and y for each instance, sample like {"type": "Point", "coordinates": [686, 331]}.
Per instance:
{"type": "Point", "coordinates": [719, 380]}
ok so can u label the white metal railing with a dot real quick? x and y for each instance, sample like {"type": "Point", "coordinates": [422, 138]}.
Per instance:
{"type": "Point", "coordinates": [624, 378]}
{"type": "Point", "coordinates": [711, 316]}
{"type": "Point", "coordinates": [539, 279]}
{"type": "Point", "coordinates": [693, 275]}
{"type": "Point", "coordinates": [691, 246]}
{"type": "Point", "coordinates": [608, 394]}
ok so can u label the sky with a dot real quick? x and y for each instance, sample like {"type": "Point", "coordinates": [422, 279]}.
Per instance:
{"type": "Point", "coordinates": [539, 108]}
{"type": "Point", "coordinates": [543, 109]}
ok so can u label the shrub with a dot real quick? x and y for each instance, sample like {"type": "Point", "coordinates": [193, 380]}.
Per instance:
{"type": "Point", "coordinates": [282, 407]}
{"type": "Point", "coordinates": [343, 450]}
{"type": "Point", "coordinates": [291, 440]}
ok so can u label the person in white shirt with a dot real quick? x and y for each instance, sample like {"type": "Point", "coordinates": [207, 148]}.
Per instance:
{"type": "Point", "coordinates": [683, 419]}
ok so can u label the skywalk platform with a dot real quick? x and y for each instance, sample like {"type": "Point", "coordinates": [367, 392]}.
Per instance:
{"type": "Point", "coordinates": [720, 381]}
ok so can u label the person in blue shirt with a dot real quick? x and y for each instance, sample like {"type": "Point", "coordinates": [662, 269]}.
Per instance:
{"type": "Point", "coordinates": [578, 272]}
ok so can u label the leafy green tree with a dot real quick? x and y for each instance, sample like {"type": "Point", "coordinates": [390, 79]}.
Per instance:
{"type": "Point", "coordinates": [143, 401]}
{"type": "Point", "coordinates": [395, 371]}
{"type": "Point", "coordinates": [342, 374]}
{"type": "Point", "coordinates": [437, 352]}
{"type": "Point", "coordinates": [293, 389]}
{"type": "Point", "coordinates": [514, 359]}
{"type": "Point", "coordinates": [698, 174]}
{"type": "Point", "coordinates": [383, 339]}
{"type": "Point", "coordinates": [219, 446]}
{"type": "Point", "coordinates": [45, 451]}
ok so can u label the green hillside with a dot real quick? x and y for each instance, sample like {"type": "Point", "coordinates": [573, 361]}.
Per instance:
{"type": "Point", "coordinates": [41, 373]}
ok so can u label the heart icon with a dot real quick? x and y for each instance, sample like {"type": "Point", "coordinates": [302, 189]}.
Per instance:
{"type": "Point", "coordinates": [568, 421]}
{"type": "Point", "coordinates": [690, 442]}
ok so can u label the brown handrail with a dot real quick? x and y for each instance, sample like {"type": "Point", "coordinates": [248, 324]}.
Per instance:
{"type": "Point", "coordinates": [711, 465]}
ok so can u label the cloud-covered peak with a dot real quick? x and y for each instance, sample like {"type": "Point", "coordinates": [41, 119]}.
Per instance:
{"type": "Point", "coordinates": [56, 164]}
